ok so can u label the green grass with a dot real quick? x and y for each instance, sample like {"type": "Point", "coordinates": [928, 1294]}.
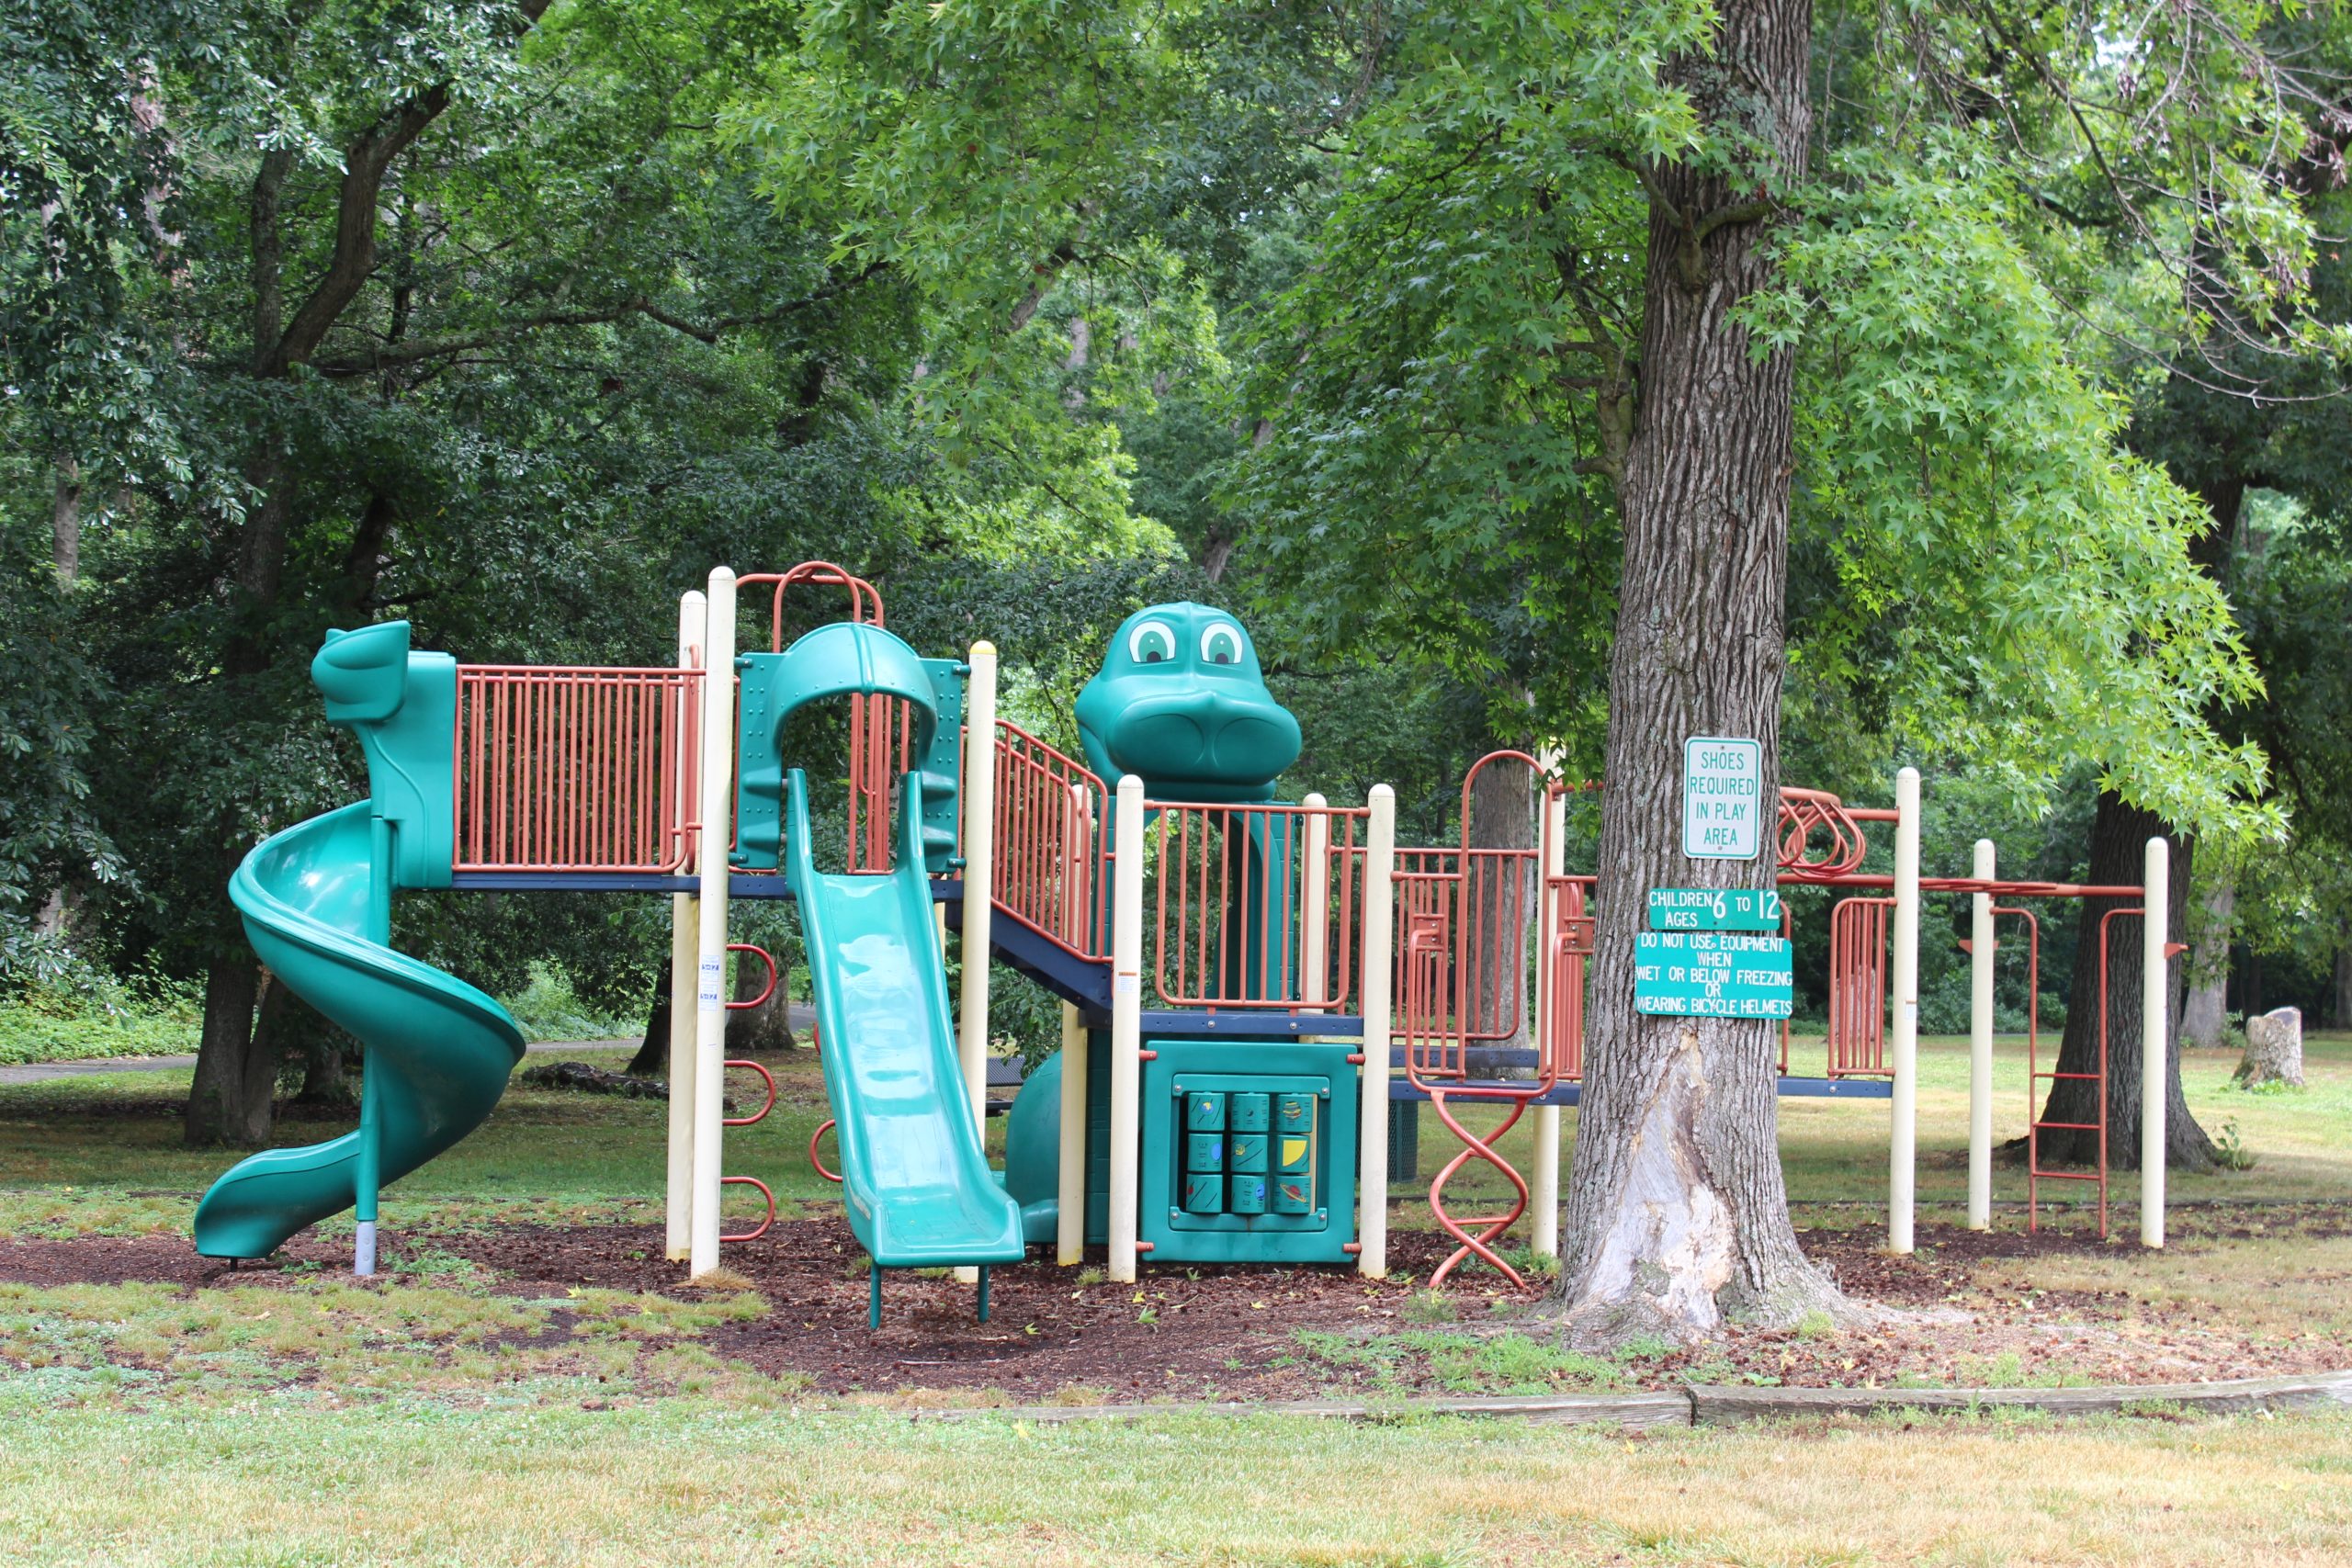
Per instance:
{"type": "Point", "coordinates": [102, 1153]}
{"type": "Point", "coordinates": [303, 1478]}
{"type": "Point", "coordinates": [436, 1415]}
{"type": "Point", "coordinates": [1834, 1152]}
{"type": "Point", "coordinates": [1504, 1363]}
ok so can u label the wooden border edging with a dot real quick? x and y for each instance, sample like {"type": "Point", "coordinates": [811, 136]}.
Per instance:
{"type": "Point", "coordinates": [1719, 1404]}
{"type": "Point", "coordinates": [1716, 1404]}
{"type": "Point", "coordinates": [1624, 1410]}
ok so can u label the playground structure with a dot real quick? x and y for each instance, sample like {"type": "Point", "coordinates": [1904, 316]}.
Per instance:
{"type": "Point", "coordinates": [1247, 984]}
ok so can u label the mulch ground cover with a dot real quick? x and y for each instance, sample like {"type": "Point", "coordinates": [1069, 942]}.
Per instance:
{"type": "Point", "coordinates": [1203, 1331]}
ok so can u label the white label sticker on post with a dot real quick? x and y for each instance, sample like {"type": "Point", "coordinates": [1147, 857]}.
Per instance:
{"type": "Point", "coordinates": [1723, 797]}
{"type": "Point", "coordinates": [714, 977]}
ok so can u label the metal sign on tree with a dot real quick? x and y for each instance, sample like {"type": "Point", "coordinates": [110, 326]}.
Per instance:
{"type": "Point", "coordinates": [1723, 794]}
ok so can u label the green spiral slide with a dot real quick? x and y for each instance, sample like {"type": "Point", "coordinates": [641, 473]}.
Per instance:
{"type": "Point", "coordinates": [316, 901]}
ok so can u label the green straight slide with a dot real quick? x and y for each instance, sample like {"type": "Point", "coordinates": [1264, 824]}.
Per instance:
{"type": "Point", "coordinates": [317, 906]}
{"type": "Point", "coordinates": [914, 1175]}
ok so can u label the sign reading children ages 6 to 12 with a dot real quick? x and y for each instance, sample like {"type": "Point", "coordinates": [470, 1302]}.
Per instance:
{"type": "Point", "coordinates": [1712, 974]}
{"type": "Point", "coordinates": [1715, 909]}
{"type": "Point", "coordinates": [1723, 797]}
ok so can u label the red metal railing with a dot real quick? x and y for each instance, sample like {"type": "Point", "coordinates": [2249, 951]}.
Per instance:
{"type": "Point", "coordinates": [873, 720]}
{"type": "Point", "coordinates": [1805, 812]}
{"type": "Point", "coordinates": [1234, 883]}
{"type": "Point", "coordinates": [1857, 976]}
{"type": "Point", "coordinates": [574, 768]}
{"type": "Point", "coordinates": [2035, 1172]}
{"type": "Point", "coordinates": [1049, 868]}
{"type": "Point", "coordinates": [1568, 949]}
{"type": "Point", "coordinates": [1465, 920]}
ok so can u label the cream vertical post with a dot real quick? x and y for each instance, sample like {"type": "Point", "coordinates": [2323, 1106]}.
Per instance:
{"type": "Point", "coordinates": [684, 933]}
{"type": "Point", "coordinates": [1315, 901]}
{"type": "Point", "coordinates": [1378, 974]}
{"type": "Point", "coordinates": [1903, 1043]}
{"type": "Point", "coordinates": [1979, 1044]}
{"type": "Point", "coordinates": [1069, 1222]}
{"type": "Point", "coordinates": [1126, 1025]}
{"type": "Point", "coordinates": [710, 968]}
{"type": "Point", "coordinates": [1543, 1191]}
{"type": "Point", "coordinates": [2155, 1039]}
{"type": "Point", "coordinates": [980, 884]}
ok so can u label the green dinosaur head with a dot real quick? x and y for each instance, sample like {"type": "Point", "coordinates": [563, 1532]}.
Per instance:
{"type": "Point", "coordinates": [1180, 703]}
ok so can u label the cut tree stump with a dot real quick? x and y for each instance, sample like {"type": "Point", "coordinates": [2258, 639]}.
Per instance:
{"type": "Point", "coordinates": [2274, 1049]}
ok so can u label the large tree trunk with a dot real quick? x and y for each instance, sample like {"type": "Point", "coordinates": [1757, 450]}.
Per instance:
{"type": "Point", "coordinates": [2204, 1009]}
{"type": "Point", "coordinates": [229, 1101]}
{"type": "Point", "coordinates": [652, 1058]}
{"type": "Point", "coordinates": [767, 1027]}
{"type": "Point", "coordinates": [223, 1108]}
{"type": "Point", "coordinates": [1677, 1217]}
{"type": "Point", "coordinates": [2340, 1014]}
{"type": "Point", "coordinates": [2119, 834]}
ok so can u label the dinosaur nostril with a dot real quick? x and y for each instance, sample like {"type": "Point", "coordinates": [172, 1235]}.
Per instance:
{"type": "Point", "coordinates": [1254, 746]}
{"type": "Point", "coordinates": [1167, 745]}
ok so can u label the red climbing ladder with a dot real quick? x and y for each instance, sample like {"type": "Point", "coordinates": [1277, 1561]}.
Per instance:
{"type": "Point", "coordinates": [1463, 918]}
{"type": "Point", "coordinates": [2035, 1172]}
{"type": "Point", "coordinates": [761, 1114]}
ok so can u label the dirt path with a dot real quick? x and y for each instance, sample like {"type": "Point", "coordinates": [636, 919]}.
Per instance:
{"type": "Point", "coordinates": [1962, 1317]}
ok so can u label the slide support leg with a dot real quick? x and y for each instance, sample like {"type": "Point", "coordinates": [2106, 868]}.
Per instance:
{"type": "Point", "coordinates": [1374, 959]}
{"type": "Point", "coordinates": [1069, 1221]}
{"type": "Point", "coordinates": [980, 884]}
{"type": "Point", "coordinates": [1980, 1045]}
{"type": "Point", "coordinates": [2155, 1039]}
{"type": "Point", "coordinates": [366, 1176]}
{"type": "Point", "coordinates": [1126, 1026]}
{"type": "Point", "coordinates": [367, 1172]}
{"type": "Point", "coordinates": [685, 927]}
{"type": "Point", "coordinates": [710, 987]}
{"type": "Point", "coordinates": [1904, 1039]}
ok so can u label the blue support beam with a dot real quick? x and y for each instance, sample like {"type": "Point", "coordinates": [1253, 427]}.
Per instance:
{"type": "Point", "coordinates": [1791, 1089]}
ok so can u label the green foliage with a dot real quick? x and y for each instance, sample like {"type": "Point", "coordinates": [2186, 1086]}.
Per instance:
{"type": "Point", "coordinates": [548, 1009]}
{"type": "Point", "coordinates": [57, 1006]}
{"type": "Point", "coordinates": [1987, 534]}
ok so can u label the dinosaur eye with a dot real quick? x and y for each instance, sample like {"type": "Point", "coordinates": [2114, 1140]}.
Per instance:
{"type": "Point", "coordinates": [1221, 643]}
{"type": "Point", "coordinates": [1151, 643]}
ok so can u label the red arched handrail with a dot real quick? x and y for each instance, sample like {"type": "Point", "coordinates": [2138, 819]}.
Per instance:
{"type": "Point", "coordinates": [762, 1228]}
{"type": "Point", "coordinates": [766, 957]}
{"type": "Point", "coordinates": [761, 1114]}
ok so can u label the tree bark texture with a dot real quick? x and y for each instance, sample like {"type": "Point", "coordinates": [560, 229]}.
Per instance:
{"type": "Point", "coordinates": [65, 521]}
{"type": "Point", "coordinates": [2119, 835]}
{"type": "Point", "coordinates": [652, 1058]}
{"type": "Point", "coordinates": [1678, 1216]}
{"type": "Point", "coordinates": [2204, 1010]}
{"type": "Point", "coordinates": [228, 1102]}
{"type": "Point", "coordinates": [767, 1027]}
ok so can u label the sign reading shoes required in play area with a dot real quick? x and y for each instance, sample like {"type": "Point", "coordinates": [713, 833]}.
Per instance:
{"type": "Point", "coordinates": [1723, 796]}
{"type": "Point", "coordinates": [1712, 974]}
